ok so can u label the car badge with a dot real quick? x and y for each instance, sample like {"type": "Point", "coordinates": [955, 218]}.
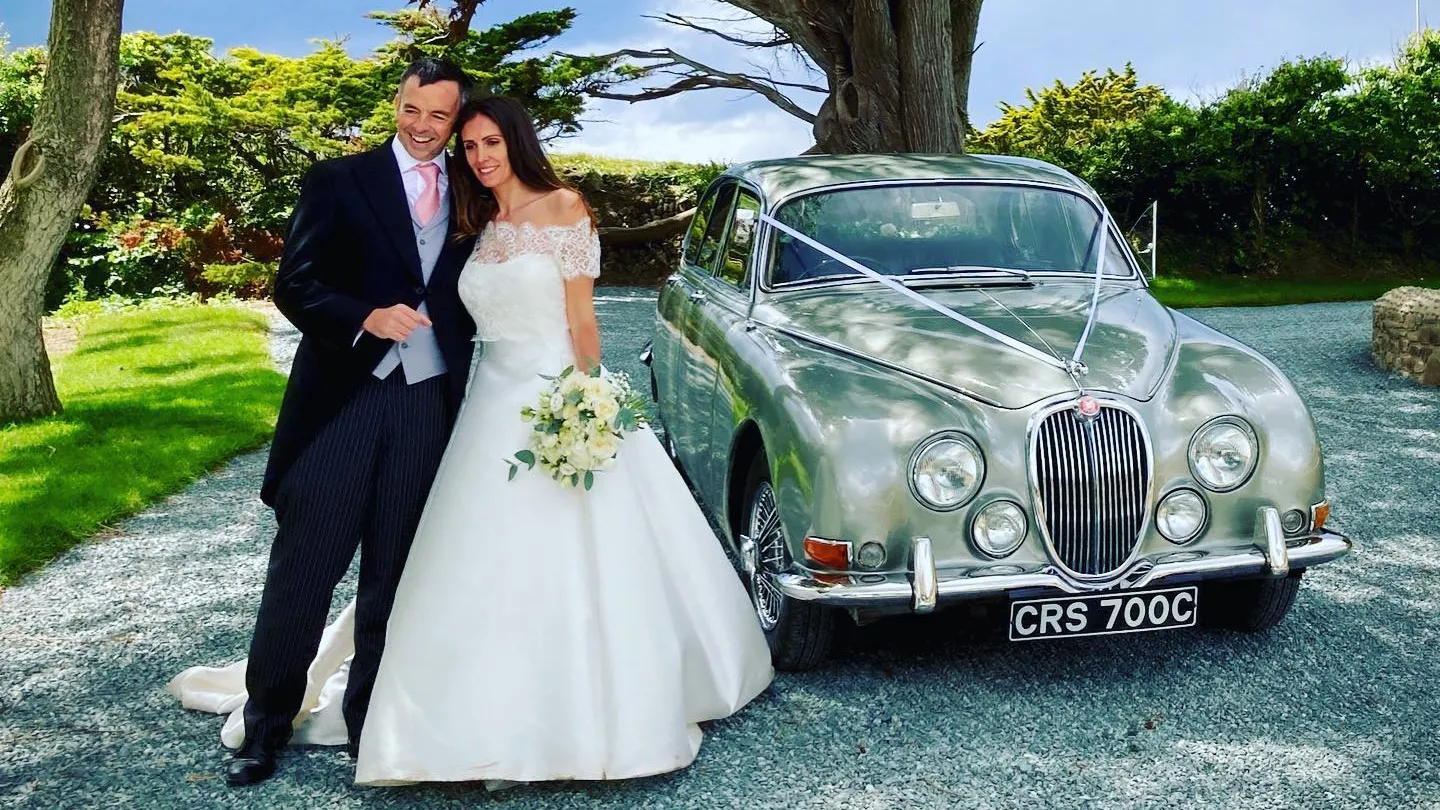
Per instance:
{"type": "Point", "coordinates": [1088, 406]}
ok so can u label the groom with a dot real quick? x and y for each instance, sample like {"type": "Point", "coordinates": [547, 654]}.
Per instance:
{"type": "Point", "coordinates": [369, 278]}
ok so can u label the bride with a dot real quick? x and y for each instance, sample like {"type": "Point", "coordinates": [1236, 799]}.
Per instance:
{"type": "Point", "coordinates": [539, 632]}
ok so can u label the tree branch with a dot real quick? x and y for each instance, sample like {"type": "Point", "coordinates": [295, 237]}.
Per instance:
{"type": "Point", "coordinates": [779, 39]}
{"type": "Point", "coordinates": [652, 231]}
{"type": "Point", "coordinates": [460, 17]}
{"type": "Point", "coordinates": [700, 76]}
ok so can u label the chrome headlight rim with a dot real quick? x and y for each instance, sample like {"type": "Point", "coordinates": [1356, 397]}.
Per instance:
{"type": "Point", "coordinates": [1199, 527]}
{"type": "Point", "coordinates": [1245, 428]}
{"type": "Point", "coordinates": [1020, 541]}
{"type": "Point", "coordinates": [925, 446]}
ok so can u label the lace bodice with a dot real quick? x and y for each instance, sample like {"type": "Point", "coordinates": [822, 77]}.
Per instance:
{"type": "Point", "coordinates": [514, 282]}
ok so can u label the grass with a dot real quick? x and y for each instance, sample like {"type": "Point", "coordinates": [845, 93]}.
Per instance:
{"type": "Point", "coordinates": [153, 399]}
{"type": "Point", "coordinates": [1253, 291]}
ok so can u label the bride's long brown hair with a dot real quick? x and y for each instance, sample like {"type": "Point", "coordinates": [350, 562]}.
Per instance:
{"type": "Point", "coordinates": [475, 205]}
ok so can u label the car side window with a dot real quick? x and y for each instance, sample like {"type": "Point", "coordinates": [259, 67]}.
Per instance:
{"type": "Point", "coordinates": [742, 240]}
{"type": "Point", "coordinates": [715, 228]}
{"type": "Point", "coordinates": [696, 232]}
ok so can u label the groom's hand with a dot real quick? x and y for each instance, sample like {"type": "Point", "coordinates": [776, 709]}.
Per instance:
{"type": "Point", "coordinates": [394, 323]}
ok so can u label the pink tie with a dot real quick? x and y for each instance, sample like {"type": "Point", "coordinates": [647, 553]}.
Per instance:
{"type": "Point", "coordinates": [429, 201]}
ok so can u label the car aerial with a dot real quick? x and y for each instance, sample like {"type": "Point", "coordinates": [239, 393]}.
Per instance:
{"type": "Point", "coordinates": [901, 382]}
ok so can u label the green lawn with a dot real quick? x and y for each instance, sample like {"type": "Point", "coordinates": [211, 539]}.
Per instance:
{"type": "Point", "coordinates": [1253, 291]}
{"type": "Point", "coordinates": [153, 399]}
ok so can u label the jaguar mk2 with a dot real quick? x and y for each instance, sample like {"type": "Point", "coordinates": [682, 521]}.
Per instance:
{"type": "Point", "coordinates": [903, 382]}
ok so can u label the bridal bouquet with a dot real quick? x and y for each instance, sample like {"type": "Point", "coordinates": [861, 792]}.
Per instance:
{"type": "Point", "coordinates": [579, 423]}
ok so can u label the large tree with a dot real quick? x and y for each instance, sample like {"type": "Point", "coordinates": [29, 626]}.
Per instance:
{"type": "Point", "coordinates": [49, 177]}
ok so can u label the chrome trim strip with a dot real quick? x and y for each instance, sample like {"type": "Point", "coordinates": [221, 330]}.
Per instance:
{"type": "Point", "coordinates": [1305, 552]}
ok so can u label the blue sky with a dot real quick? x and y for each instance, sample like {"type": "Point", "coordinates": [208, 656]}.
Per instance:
{"type": "Point", "coordinates": [1192, 49]}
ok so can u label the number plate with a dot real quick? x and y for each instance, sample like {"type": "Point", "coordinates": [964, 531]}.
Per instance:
{"type": "Point", "coordinates": [1102, 614]}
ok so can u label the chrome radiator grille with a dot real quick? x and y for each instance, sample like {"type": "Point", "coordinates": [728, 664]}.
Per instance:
{"type": "Point", "coordinates": [1092, 479]}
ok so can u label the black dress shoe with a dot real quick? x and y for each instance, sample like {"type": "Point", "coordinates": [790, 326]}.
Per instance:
{"type": "Point", "coordinates": [250, 766]}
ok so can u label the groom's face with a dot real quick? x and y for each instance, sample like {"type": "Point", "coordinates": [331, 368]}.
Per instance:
{"type": "Point", "coordinates": [425, 115]}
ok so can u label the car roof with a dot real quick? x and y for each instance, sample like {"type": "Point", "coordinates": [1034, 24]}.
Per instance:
{"type": "Point", "coordinates": [782, 177]}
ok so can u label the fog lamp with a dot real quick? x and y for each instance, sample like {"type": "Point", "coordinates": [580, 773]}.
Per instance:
{"type": "Point", "coordinates": [1293, 521]}
{"type": "Point", "coordinates": [872, 555]}
{"type": "Point", "coordinates": [1180, 516]}
{"type": "Point", "coordinates": [999, 529]}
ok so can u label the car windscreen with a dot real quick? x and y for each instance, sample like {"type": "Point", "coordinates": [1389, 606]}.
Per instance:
{"type": "Point", "coordinates": [942, 229]}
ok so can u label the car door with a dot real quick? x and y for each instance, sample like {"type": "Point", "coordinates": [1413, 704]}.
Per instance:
{"type": "Point", "coordinates": [671, 309]}
{"type": "Point", "coordinates": [723, 313]}
{"type": "Point", "coordinates": [687, 412]}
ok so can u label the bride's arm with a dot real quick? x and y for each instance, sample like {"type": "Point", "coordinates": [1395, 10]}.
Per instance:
{"type": "Point", "coordinates": [584, 330]}
{"type": "Point", "coordinates": [579, 255]}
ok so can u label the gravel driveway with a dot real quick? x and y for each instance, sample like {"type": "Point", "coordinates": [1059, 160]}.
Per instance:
{"type": "Point", "coordinates": [1337, 707]}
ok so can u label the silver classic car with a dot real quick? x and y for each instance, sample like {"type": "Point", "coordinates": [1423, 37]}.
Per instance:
{"type": "Point", "coordinates": [903, 381]}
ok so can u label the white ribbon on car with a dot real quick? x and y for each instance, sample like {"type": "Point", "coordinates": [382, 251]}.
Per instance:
{"type": "Point", "coordinates": [1073, 367]}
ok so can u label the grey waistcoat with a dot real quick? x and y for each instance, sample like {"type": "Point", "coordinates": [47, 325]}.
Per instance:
{"type": "Point", "coordinates": [419, 355]}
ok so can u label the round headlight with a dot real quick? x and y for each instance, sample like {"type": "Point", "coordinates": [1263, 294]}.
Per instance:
{"type": "Point", "coordinates": [1180, 516]}
{"type": "Point", "coordinates": [947, 471]}
{"type": "Point", "coordinates": [999, 529]}
{"type": "Point", "coordinates": [1223, 453]}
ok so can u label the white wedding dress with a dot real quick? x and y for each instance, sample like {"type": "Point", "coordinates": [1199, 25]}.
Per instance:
{"type": "Point", "coordinates": [539, 632]}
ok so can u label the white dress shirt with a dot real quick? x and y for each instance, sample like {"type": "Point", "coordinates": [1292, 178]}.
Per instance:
{"type": "Point", "coordinates": [414, 182]}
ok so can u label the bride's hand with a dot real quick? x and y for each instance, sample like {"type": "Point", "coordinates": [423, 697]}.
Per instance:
{"type": "Point", "coordinates": [394, 323]}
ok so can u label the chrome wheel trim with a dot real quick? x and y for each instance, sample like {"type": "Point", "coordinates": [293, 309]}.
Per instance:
{"type": "Point", "coordinates": [769, 539]}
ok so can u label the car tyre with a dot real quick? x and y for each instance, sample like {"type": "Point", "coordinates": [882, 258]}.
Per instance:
{"type": "Point", "coordinates": [800, 634]}
{"type": "Point", "coordinates": [1248, 605]}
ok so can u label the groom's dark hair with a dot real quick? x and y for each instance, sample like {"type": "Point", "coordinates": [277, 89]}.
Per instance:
{"type": "Point", "coordinates": [430, 69]}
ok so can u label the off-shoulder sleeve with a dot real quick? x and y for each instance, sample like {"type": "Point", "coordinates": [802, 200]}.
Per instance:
{"type": "Point", "coordinates": [577, 247]}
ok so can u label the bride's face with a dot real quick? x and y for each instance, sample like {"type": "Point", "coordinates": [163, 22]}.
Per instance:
{"type": "Point", "coordinates": [485, 151]}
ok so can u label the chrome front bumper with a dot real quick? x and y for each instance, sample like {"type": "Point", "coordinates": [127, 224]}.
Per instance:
{"type": "Point", "coordinates": [924, 587]}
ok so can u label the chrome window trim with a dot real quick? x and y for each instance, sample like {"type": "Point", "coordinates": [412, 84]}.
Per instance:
{"type": "Point", "coordinates": [763, 273]}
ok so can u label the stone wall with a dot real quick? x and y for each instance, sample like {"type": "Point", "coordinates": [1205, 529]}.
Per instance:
{"type": "Point", "coordinates": [1406, 336]}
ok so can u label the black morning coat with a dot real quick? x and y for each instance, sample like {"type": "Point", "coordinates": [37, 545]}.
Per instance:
{"type": "Point", "coordinates": [351, 249]}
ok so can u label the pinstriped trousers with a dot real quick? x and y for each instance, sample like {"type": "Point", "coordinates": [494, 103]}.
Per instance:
{"type": "Point", "coordinates": [362, 482]}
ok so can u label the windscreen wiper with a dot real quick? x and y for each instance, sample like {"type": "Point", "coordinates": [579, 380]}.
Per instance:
{"type": "Point", "coordinates": [962, 268]}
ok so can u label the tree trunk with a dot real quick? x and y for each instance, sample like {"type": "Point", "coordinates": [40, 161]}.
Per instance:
{"type": "Point", "coordinates": [652, 231]}
{"type": "Point", "coordinates": [46, 186]}
{"type": "Point", "coordinates": [898, 72]}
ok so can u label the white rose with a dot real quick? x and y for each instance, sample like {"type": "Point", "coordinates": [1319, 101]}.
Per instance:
{"type": "Point", "coordinates": [572, 383]}
{"type": "Point", "coordinates": [596, 389]}
{"type": "Point", "coordinates": [549, 441]}
{"type": "Point", "coordinates": [581, 457]}
{"type": "Point", "coordinates": [606, 410]}
{"type": "Point", "coordinates": [605, 445]}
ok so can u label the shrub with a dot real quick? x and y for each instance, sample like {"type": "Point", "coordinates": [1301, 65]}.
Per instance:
{"type": "Point", "coordinates": [247, 279]}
